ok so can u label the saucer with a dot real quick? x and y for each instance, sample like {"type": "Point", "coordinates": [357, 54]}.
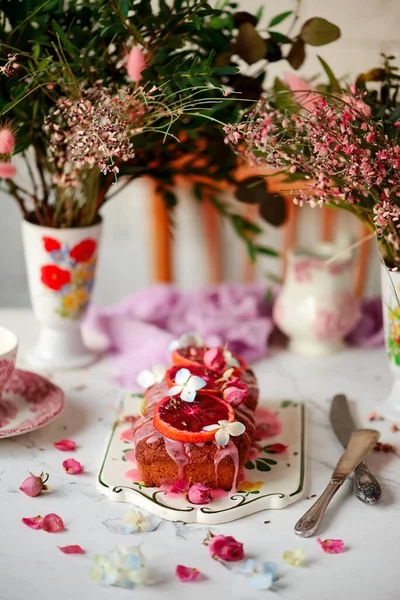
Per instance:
{"type": "Point", "coordinates": [29, 401]}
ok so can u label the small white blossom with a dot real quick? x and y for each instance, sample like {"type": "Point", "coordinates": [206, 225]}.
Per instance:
{"type": "Point", "coordinates": [137, 522]}
{"type": "Point", "coordinates": [186, 385]}
{"type": "Point", "coordinates": [224, 429]}
{"type": "Point", "coordinates": [149, 377]}
{"type": "Point", "coordinates": [187, 339]}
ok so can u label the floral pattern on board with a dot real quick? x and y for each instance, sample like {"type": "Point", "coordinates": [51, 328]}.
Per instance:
{"type": "Point", "coordinates": [70, 274]}
{"type": "Point", "coordinates": [393, 339]}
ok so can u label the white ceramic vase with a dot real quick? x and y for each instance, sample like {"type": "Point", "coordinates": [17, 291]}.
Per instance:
{"type": "Point", "coordinates": [390, 283]}
{"type": "Point", "coordinates": [316, 306]}
{"type": "Point", "coordinates": [61, 266]}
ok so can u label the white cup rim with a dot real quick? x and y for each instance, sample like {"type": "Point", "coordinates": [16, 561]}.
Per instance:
{"type": "Point", "coordinates": [8, 341]}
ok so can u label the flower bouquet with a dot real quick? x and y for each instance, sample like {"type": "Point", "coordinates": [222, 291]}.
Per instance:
{"type": "Point", "coordinates": [343, 144]}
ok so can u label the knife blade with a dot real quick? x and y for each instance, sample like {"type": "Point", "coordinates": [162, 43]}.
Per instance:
{"type": "Point", "coordinates": [360, 444]}
{"type": "Point", "coordinates": [366, 486]}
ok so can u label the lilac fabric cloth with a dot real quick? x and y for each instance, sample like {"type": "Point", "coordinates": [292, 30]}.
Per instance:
{"type": "Point", "coordinates": [140, 328]}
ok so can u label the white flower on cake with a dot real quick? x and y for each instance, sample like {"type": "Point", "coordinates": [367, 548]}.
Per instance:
{"type": "Point", "coordinates": [149, 377]}
{"type": "Point", "coordinates": [187, 339]}
{"type": "Point", "coordinates": [224, 429]}
{"type": "Point", "coordinates": [187, 385]}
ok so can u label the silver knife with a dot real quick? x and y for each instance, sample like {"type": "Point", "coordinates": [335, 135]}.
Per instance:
{"type": "Point", "coordinates": [366, 487]}
{"type": "Point", "coordinates": [360, 444]}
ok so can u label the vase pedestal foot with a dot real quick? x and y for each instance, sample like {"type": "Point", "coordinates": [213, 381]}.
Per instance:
{"type": "Point", "coordinates": [61, 349]}
{"type": "Point", "coordinates": [390, 409]}
{"type": "Point", "coordinates": [314, 348]}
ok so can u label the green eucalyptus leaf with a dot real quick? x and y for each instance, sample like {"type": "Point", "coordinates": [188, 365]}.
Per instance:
{"type": "Point", "coordinates": [332, 79]}
{"type": "Point", "coordinates": [318, 32]}
{"type": "Point", "coordinates": [249, 44]}
{"type": "Point", "coordinates": [297, 54]}
{"type": "Point", "coordinates": [279, 18]}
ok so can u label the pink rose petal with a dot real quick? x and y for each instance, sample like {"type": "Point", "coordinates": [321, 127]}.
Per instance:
{"type": "Point", "coordinates": [71, 549]}
{"type": "Point", "coordinates": [52, 523]}
{"type": "Point", "coordinates": [127, 435]}
{"type": "Point", "coordinates": [218, 493]}
{"type": "Point", "coordinates": [179, 487]}
{"type": "Point", "coordinates": [133, 475]}
{"type": "Point", "coordinates": [65, 445]}
{"type": "Point", "coordinates": [33, 522]}
{"type": "Point", "coordinates": [72, 466]}
{"type": "Point", "coordinates": [186, 574]}
{"type": "Point", "coordinates": [130, 456]}
{"type": "Point", "coordinates": [331, 546]}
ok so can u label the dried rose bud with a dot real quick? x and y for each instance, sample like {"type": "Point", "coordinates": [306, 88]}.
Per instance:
{"type": "Point", "coordinates": [199, 494]}
{"type": "Point", "coordinates": [33, 485]}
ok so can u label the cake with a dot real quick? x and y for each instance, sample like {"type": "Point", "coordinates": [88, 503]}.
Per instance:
{"type": "Point", "coordinates": [201, 430]}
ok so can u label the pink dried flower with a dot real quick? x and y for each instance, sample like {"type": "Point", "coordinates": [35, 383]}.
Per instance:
{"type": "Point", "coordinates": [34, 485]}
{"type": "Point", "coordinates": [52, 523]}
{"type": "Point", "coordinates": [74, 549]}
{"type": "Point", "coordinates": [185, 574]}
{"type": "Point", "coordinates": [199, 494]}
{"type": "Point", "coordinates": [224, 547]}
{"type": "Point", "coordinates": [235, 392]}
{"type": "Point", "coordinates": [7, 170]}
{"type": "Point", "coordinates": [179, 487]}
{"type": "Point", "coordinates": [331, 546]}
{"type": "Point", "coordinates": [33, 522]}
{"type": "Point", "coordinates": [135, 64]}
{"type": "Point", "coordinates": [72, 466]}
{"type": "Point", "coordinates": [7, 141]}
{"type": "Point", "coordinates": [214, 359]}
{"type": "Point", "coordinates": [65, 445]}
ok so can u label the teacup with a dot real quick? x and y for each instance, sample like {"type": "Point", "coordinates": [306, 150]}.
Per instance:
{"type": "Point", "coordinates": [8, 354]}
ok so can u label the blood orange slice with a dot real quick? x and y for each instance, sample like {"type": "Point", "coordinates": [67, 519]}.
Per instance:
{"type": "Point", "coordinates": [191, 356]}
{"type": "Point", "coordinates": [209, 376]}
{"type": "Point", "coordinates": [184, 421]}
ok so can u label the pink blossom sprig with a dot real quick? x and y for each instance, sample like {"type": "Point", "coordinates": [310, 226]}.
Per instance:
{"type": "Point", "coordinates": [344, 157]}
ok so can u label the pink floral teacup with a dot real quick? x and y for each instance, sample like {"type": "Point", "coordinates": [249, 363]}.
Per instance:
{"type": "Point", "coordinates": [8, 354]}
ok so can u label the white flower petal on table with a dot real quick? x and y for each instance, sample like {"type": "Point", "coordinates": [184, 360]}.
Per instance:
{"type": "Point", "coordinates": [187, 395]}
{"type": "Point", "coordinates": [195, 383]}
{"type": "Point", "coordinates": [222, 437]}
{"type": "Point", "coordinates": [235, 428]}
{"type": "Point", "coordinates": [182, 376]}
{"type": "Point", "coordinates": [211, 427]}
{"type": "Point", "coordinates": [146, 378]}
{"type": "Point", "coordinates": [176, 389]}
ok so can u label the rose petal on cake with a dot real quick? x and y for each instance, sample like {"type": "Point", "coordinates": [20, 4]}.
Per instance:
{"type": "Point", "coordinates": [127, 435]}
{"type": "Point", "coordinates": [179, 487]}
{"type": "Point", "coordinates": [331, 546]}
{"type": "Point", "coordinates": [65, 445]}
{"type": "Point", "coordinates": [33, 522]}
{"type": "Point", "coordinates": [52, 523]}
{"type": "Point", "coordinates": [72, 466]}
{"type": "Point", "coordinates": [185, 574]}
{"type": "Point", "coordinates": [74, 549]}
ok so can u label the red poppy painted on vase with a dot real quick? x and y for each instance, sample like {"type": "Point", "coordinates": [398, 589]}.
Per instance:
{"type": "Point", "coordinates": [54, 278]}
{"type": "Point", "coordinates": [83, 251]}
{"type": "Point", "coordinates": [50, 244]}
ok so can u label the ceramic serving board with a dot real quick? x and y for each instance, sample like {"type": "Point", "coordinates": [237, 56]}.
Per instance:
{"type": "Point", "coordinates": [270, 481]}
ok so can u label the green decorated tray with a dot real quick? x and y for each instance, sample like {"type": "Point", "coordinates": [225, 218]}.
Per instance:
{"type": "Point", "coordinates": [274, 476]}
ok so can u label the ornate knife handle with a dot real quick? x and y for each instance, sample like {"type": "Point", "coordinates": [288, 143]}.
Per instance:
{"type": "Point", "coordinates": [307, 525]}
{"type": "Point", "coordinates": [366, 487]}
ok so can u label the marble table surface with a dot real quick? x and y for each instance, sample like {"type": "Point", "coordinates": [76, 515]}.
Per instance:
{"type": "Point", "coordinates": [32, 567]}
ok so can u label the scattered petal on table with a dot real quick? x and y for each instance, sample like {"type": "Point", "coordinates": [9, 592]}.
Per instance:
{"type": "Point", "coordinates": [137, 522]}
{"type": "Point", "coordinates": [52, 523]}
{"type": "Point", "coordinates": [186, 574]}
{"type": "Point", "coordinates": [72, 466]}
{"type": "Point", "coordinates": [34, 485]}
{"type": "Point", "coordinates": [224, 547]}
{"type": "Point", "coordinates": [294, 557]}
{"type": "Point", "coordinates": [74, 549]}
{"type": "Point", "coordinates": [331, 546]}
{"type": "Point", "coordinates": [33, 522]}
{"type": "Point", "coordinates": [65, 445]}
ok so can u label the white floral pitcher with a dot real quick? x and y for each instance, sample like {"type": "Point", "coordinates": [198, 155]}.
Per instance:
{"type": "Point", "coordinates": [316, 307]}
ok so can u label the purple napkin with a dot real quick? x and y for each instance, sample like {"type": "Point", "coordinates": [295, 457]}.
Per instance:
{"type": "Point", "coordinates": [140, 328]}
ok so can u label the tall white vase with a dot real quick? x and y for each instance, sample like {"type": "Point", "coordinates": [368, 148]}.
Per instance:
{"type": "Point", "coordinates": [316, 306]}
{"type": "Point", "coordinates": [61, 267]}
{"type": "Point", "coordinates": [390, 282]}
